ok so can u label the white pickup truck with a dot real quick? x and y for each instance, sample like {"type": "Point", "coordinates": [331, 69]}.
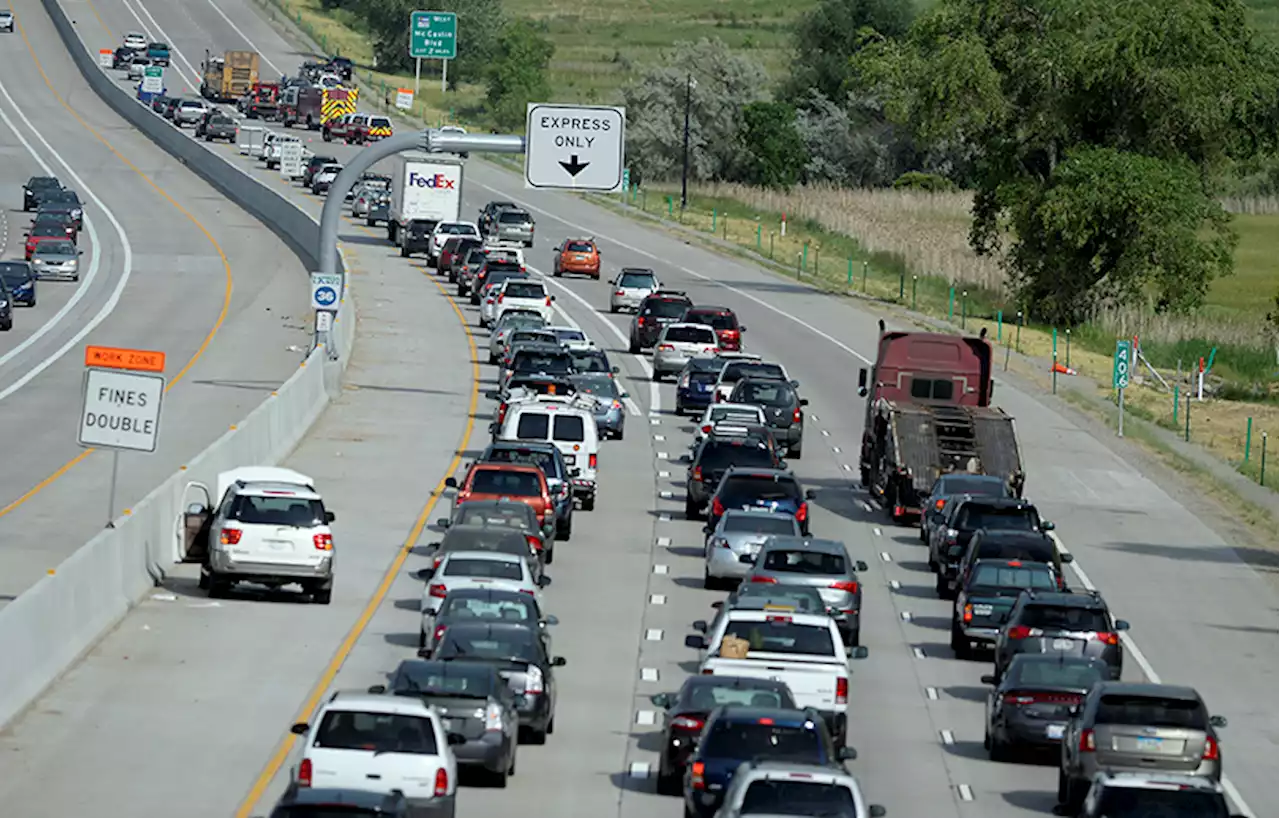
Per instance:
{"type": "Point", "coordinates": [803, 651]}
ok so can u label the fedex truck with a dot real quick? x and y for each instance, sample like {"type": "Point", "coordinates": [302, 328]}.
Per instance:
{"type": "Point", "coordinates": [424, 188]}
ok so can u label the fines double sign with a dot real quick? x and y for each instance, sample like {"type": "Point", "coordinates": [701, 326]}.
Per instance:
{"type": "Point", "coordinates": [121, 410]}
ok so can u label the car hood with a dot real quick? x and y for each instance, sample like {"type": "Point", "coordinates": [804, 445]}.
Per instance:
{"type": "Point", "coordinates": [53, 258]}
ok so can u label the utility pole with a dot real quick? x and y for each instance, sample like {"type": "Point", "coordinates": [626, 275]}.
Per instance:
{"type": "Point", "coordinates": [684, 175]}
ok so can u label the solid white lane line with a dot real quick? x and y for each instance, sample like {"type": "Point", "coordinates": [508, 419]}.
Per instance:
{"type": "Point", "coordinates": [94, 259]}
{"type": "Point", "coordinates": [648, 674]}
{"type": "Point", "coordinates": [653, 635]}
{"type": "Point", "coordinates": [965, 792]}
{"type": "Point", "coordinates": [661, 569]}
{"type": "Point", "coordinates": [947, 737]}
{"type": "Point", "coordinates": [193, 84]}
{"type": "Point", "coordinates": [918, 653]}
{"type": "Point", "coordinates": [245, 37]}
{"type": "Point", "coordinates": [646, 718]}
{"type": "Point", "coordinates": [657, 599]}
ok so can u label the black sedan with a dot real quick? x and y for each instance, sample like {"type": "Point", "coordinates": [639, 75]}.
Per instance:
{"type": "Point", "coordinates": [474, 702]}
{"type": "Point", "coordinates": [517, 652]}
{"type": "Point", "coordinates": [1031, 706]}
{"type": "Point", "coordinates": [37, 189]}
{"type": "Point", "coordinates": [685, 713]}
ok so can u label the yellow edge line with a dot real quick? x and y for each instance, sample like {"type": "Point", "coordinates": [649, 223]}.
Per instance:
{"type": "Point", "coordinates": [281, 754]}
{"type": "Point", "coordinates": [226, 266]}
{"type": "Point", "coordinates": [101, 22]}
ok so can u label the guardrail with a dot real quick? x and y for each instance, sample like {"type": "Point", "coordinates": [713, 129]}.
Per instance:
{"type": "Point", "coordinates": [48, 627]}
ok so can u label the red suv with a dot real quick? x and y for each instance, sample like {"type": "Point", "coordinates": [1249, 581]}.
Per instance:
{"type": "Point", "coordinates": [720, 319]}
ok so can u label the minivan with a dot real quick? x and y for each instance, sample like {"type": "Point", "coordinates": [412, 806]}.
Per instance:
{"type": "Point", "coordinates": [570, 427]}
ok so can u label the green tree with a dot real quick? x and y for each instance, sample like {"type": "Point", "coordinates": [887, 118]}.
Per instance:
{"type": "Point", "coordinates": [518, 73]}
{"type": "Point", "coordinates": [832, 32]}
{"type": "Point", "coordinates": [1149, 100]}
{"type": "Point", "coordinates": [774, 152]}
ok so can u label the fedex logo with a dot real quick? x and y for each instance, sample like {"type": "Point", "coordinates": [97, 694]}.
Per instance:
{"type": "Point", "coordinates": [435, 180]}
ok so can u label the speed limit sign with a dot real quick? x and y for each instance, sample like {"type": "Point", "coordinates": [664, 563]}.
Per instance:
{"type": "Point", "coordinates": [1120, 371]}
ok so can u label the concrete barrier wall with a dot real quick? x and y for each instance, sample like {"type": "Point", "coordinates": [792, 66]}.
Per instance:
{"type": "Point", "coordinates": [47, 628]}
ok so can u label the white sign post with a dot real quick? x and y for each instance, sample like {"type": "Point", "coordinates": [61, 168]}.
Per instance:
{"type": "Point", "coordinates": [121, 411]}
{"type": "Point", "coordinates": [153, 79]}
{"type": "Point", "coordinates": [291, 160]}
{"type": "Point", "coordinates": [574, 147]}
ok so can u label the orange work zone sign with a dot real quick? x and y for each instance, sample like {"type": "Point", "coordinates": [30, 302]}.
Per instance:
{"type": "Point", "coordinates": [137, 360]}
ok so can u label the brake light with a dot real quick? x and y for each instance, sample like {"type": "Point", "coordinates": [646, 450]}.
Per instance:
{"type": "Point", "coordinates": [691, 723]}
{"type": "Point", "coordinates": [323, 542]}
{"type": "Point", "coordinates": [764, 721]}
{"type": "Point", "coordinates": [1210, 749]}
{"type": "Point", "coordinates": [591, 461]}
{"type": "Point", "coordinates": [968, 614]}
{"type": "Point", "coordinates": [795, 416]}
{"type": "Point", "coordinates": [847, 587]}
{"type": "Point", "coordinates": [717, 507]}
{"type": "Point", "coordinates": [842, 690]}
{"type": "Point", "coordinates": [666, 348]}
{"type": "Point", "coordinates": [439, 634]}
{"type": "Point", "coordinates": [437, 590]}
{"type": "Point", "coordinates": [1019, 632]}
{"type": "Point", "coordinates": [1086, 741]}
{"type": "Point", "coordinates": [504, 295]}
{"type": "Point", "coordinates": [230, 536]}
{"type": "Point", "coordinates": [527, 591]}
{"type": "Point", "coordinates": [1015, 563]}
{"type": "Point", "coordinates": [802, 513]}
{"type": "Point", "coordinates": [534, 542]}
{"type": "Point", "coordinates": [697, 474]}
{"type": "Point", "coordinates": [706, 430]}
{"type": "Point", "coordinates": [1108, 638]}
{"type": "Point", "coordinates": [759, 580]}
{"type": "Point", "coordinates": [304, 773]}
{"type": "Point", "coordinates": [442, 783]}
{"type": "Point", "coordinates": [620, 292]}
{"type": "Point", "coordinates": [786, 620]}
{"type": "Point", "coordinates": [696, 773]}
{"type": "Point", "coordinates": [548, 297]}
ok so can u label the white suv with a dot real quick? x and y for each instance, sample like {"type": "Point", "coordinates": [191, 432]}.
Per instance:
{"type": "Point", "coordinates": [362, 741]}
{"type": "Point", "coordinates": [476, 569]}
{"type": "Point", "coordinates": [519, 294]}
{"type": "Point", "coordinates": [270, 528]}
{"type": "Point", "coordinates": [445, 231]}
{"type": "Point", "coordinates": [767, 787]}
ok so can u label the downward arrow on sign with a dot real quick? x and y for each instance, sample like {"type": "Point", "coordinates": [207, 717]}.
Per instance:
{"type": "Point", "coordinates": [573, 166]}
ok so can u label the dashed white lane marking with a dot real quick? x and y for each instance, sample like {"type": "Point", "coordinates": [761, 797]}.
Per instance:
{"type": "Point", "coordinates": [657, 599]}
{"type": "Point", "coordinates": [660, 569]}
{"type": "Point", "coordinates": [895, 585]}
{"type": "Point", "coordinates": [884, 555]}
{"type": "Point", "coordinates": [646, 718]}
{"type": "Point", "coordinates": [931, 693]}
{"type": "Point", "coordinates": [965, 791]}
{"type": "Point", "coordinates": [664, 518]}
{"type": "Point", "coordinates": [878, 532]}
{"type": "Point", "coordinates": [654, 421]}
{"type": "Point", "coordinates": [659, 438]}
{"type": "Point", "coordinates": [814, 418]}
{"type": "Point", "coordinates": [663, 542]}
{"type": "Point", "coordinates": [663, 456]}
{"type": "Point", "coordinates": [947, 736]}
{"type": "Point", "coordinates": [825, 433]}
{"type": "Point", "coordinates": [648, 674]}
{"type": "Point", "coordinates": [653, 635]}
{"type": "Point", "coordinates": [865, 505]}
{"type": "Point", "coordinates": [664, 474]}
{"type": "Point", "coordinates": [835, 449]}
{"type": "Point", "coordinates": [665, 495]}
{"type": "Point", "coordinates": [906, 616]}
{"type": "Point", "coordinates": [639, 769]}
{"type": "Point", "coordinates": [845, 466]}
{"type": "Point", "coordinates": [919, 653]}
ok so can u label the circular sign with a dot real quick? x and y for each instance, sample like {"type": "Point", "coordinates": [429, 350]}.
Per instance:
{"type": "Point", "coordinates": [326, 296]}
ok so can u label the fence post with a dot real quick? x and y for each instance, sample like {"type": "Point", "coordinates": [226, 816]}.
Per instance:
{"type": "Point", "coordinates": [1262, 468]}
{"type": "Point", "coordinates": [817, 257]}
{"type": "Point", "coordinates": [964, 308]}
{"type": "Point", "coordinates": [1175, 406]}
{"type": "Point", "coordinates": [759, 229]}
{"type": "Point", "coordinates": [1006, 353]}
{"type": "Point", "coordinates": [1017, 340]}
{"type": "Point", "coordinates": [804, 256]}
{"type": "Point", "coordinates": [914, 280]}
{"type": "Point", "coordinates": [999, 326]}
{"type": "Point", "coordinates": [800, 262]}
{"type": "Point", "coordinates": [1068, 349]}
{"type": "Point", "coordinates": [864, 276]}
{"type": "Point", "coordinates": [1055, 372]}
{"type": "Point", "coordinates": [1187, 419]}
{"type": "Point", "coordinates": [671, 207]}
{"type": "Point", "coordinates": [951, 303]}
{"type": "Point", "coordinates": [771, 245]}
{"type": "Point", "coordinates": [848, 281]}
{"type": "Point", "coordinates": [713, 220]}
{"type": "Point", "coordinates": [902, 284]}
{"type": "Point", "coordinates": [1248, 438]}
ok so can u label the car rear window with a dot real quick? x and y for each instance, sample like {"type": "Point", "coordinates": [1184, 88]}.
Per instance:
{"type": "Point", "coordinates": [499, 539]}
{"type": "Point", "coordinates": [1063, 617]}
{"type": "Point", "coordinates": [780, 635]}
{"type": "Point", "coordinates": [744, 489]}
{"type": "Point", "coordinates": [1152, 711]}
{"type": "Point", "coordinates": [1055, 674]}
{"type": "Point", "coordinates": [767, 393]}
{"type": "Point", "coordinates": [973, 517]}
{"type": "Point", "coordinates": [988, 549]}
{"type": "Point", "coordinates": [758, 524]}
{"type": "Point", "coordinates": [589, 360]}
{"type": "Point", "coordinates": [509, 643]}
{"type": "Point", "coordinates": [530, 457]}
{"type": "Point", "coordinates": [664, 308]}
{"type": "Point", "coordinates": [524, 289]}
{"type": "Point", "coordinates": [508, 610]}
{"type": "Point", "coordinates": [379, 122]}
{"type": "Point", "coordinates": [569, 428]}
{"type": "Point", "coordinates": [967, 484]}
{"type": "Point", "coordinates": [376, 733]}
{"type": "Point", "coordinates": [690, 335]}
{"type": "Point", "coordinates": [568, 334]}
{"type": "Point", "coordinates": [418, 678]}
{"type": "Point", "coordinates": [550, 363]}
{"type": "Point", "coordinates": [504, 481]}
{"type": "Point", "coordinates": [700, 376]}
{"type": "Point", "coordinates": [715, 320]}
{"type": "Point", "coordinates": [296, 512]}
{"type": "Point", "coordinates": [1143, 802]}
{"type": "Point", "coordinates": [533, 426]}
{"type": "Point", "coordinates": [737, 370]}
{"type": "Point", "coordinates": [721, 454]}
{"type": "Point", "coordinates": [493, 569]}
{"type": "Point", "coordinates": [514, 217]}
{"type": "Point", "coordinates": [578, 247]}
{"type": "Point", "coordinates": [1039, 577]}
{"type": "Point", "coordinates": [496, 265]}
{"type": "Point", "coordinates": [710, 696]}
{"type": "Point", "coordinates": [636, 280]}
{"type": "Point", "coordinates": [533, 334]}
{"type": "Point", "coordinates": [790, 797]}
{"type": "Point", "coordinates": [518, 515]}
{"type": "Point", "coordinates": [748, 739]}
{"type": "Point", "coordinates": [801, 561]}
{"type": "Point", "coordinates": [456, 229]}
{"type": "Point", "coordinates": [720, 414]}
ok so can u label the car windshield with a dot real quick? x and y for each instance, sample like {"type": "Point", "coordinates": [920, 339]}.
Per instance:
{"type": "Point", "coordinates": [637, 281]}
{"type": "Point", "coordinates": [456, 229]}
{"type": "Point", "coordinates": [972, 517]}
{"type": "Point", "coordinates": [787, 797]}
{"type": "Point", "coordinates": [13, 274]}
{"type": "Point", "coordinates": [298, 512]}
{"type": "Point", "coordinates": [749, 739]}
{"type": "Point", "coordinates": [527, 457]}
{"type": "Point", "coordinates": [507, 482]}
{"type": "Point", "coordinates": [981, 486]}
{"type": "Point", "coordinates": [514, 217]}
{"type": "Point", "coordinates": [737, 370]}
{"type": "Point", "coordinates": [475, 567]}
{"type": "Point", "coordinates": [758, 524]}
{"type": "Point", "coordinates": [767, 393]}
{"type": "Point", "coordinates": [331, 169]}
{"type": "Point", "coordinates": [781, 635]}
{"type": "Point", "coordinates": [1075, 675]}
{"type": "Point", "coordinates": [1065, 618]}
{"type": "Point", "coordinates": [589, 360]}
{"type": "Point", "coordinates": [800, 561]}
{"type": "Point", "coordinates": [507, 610]}
{"type": "Point", "coordinates": [734, 414]}
{"type": "Point", "coordinates": [509, 643]}
{"type": "Point", "coordinates": [524, 289]}
{"type": "Point", "coordinates": [721, 454]}
{"type": "Point", "coordinates": [664, 308]}
{"type": "Point", "coordinates": [715, 320]}
{"type": "Point", "coordinates": [566, 334]}
{"type": "Point", "coordinates": [192, 104]}
{"type": "Point", "coordinates": [569, 429]}
{"type": "Point", "coordinates": [799, 597]}
{"type": "Point", "coordinates": [1145, 802]}
{"type": "Point", "coordinates": [440, 678]}
{"type": "Point", "coordinates": [1020, 550]}
{"type": "Point", "coordinates": [1152, 711]}
{"type": "Point", "coordinates": [690, 335]}
{"type": "Point", "coordinates": [517, 515]}
{"type": "Point", "coordinates": [598, 384]}
{"type": "Point", "coordinates": [551, 363]}
{"type": "Point", "coordinates": [500, 538]}
{"type": "Point", "coordinates": [43, 183]}
{"type": "Point", "coordinates": [542, 386]}
{"type": "Point", "coordinates": [497, 265]}
{"type": "Point", "coordinates": [376, 733]}
{"type": "Point", "coordinates": [743, 490]}
{"type": "Point", "coordinates": [48, 229]}
{"type": "Point", "coordinates": [1003, 575]}
{"type": "Point", "coordinates": [520, 319]}
{"type": "Point", "coordinates": [55, 248]}
{"type": "Point", "coordinates": [578, 247]}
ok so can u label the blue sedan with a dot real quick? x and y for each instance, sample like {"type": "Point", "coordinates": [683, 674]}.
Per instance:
{"type": "Point", "coordinates": [610, 413]}
{"type": "Point", "coordinates": [20, 281]}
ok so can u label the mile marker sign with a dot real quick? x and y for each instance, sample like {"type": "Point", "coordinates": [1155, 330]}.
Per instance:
{"type": "Point", "coordinates": [574, 147]}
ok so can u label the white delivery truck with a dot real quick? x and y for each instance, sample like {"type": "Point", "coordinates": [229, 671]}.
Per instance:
{"type": "Point", "coordinates": [425, 189]}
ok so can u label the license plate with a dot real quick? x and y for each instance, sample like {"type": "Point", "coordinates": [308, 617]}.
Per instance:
{"type": "Point", "coordinates": [279, 545]}
{"type": "Point", "coordinates": [570, 458]}
{"type": "Point", "coordinates": [1146, 743]}
{"type": "Point", "coordinates": [1055, 731]}
{"type": "Point", "coordinates": [982, 610]}
{"type": "Point", "coordinates": [1064, 644]}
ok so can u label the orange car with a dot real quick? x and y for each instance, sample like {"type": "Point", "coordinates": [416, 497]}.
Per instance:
{"type": "Point", "coordinates": [506, 481]}
{"type": "Point", "coordinates": [580, 256]}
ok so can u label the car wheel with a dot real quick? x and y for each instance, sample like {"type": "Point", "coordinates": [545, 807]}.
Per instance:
{"type": "Point", "coordinates": [794, 452]}
{"type": "Point", "coordinates": [536, 736]}
{"type": "Point", "coordinates": [498, 779]}
{"type": "Point", "coordinates": [940, 586]}
{"type": "Point", "coordinates": [371, 222]}
{"type": "Point", "coordinates": [691, 510]}
{"type": "Point", "coordinates": [203, 582]}
{"type": "Point", "coordinates": [618, 434]}
{"type": "Point", "coordinates": [218, 587]}
{"type": "Point", "coordinates": [669, 783]}
{"type": "Point", "coordinates": [323, 595]}
{"type": "Point", "coordinates": [551, 555]}
{"type": "Point", "coordinates": [959, 645]}
{"type": "Point", "coordinates": [855, 637]}
{"type": "Point", "coordinates": [422, 638]}
{"type": "Point", "coordinates": [657, 375]}
{"type": "Point", "coordinates": [709, 583]}
{"type": "Point", "coordinates": [589, 503]}
{"type": "Point", "coordinates": [998, 751]}
{"type": "Point", "coordinates": [564, 532]}
{"type": "Point", "coordinates": [551, 726]}
{"type": "Point", "coordinates": [634, 347]}
{"type": "Point", "coordinates": [404, 251]}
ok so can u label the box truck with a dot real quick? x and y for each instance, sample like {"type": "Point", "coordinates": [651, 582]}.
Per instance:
{"type": "Point", "coordinates": [424, 188]}
{"type": "Point", "coordinates": [228, 77]}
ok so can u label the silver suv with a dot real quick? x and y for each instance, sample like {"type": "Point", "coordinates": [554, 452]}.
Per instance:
{"type": "Point", "coordinates": [820, 564]}
{"type": "Point", "coordinates": [1123, 726]}
{"type": "Point", "coordinates": [776, 787]}
{"type": "Point", "coordinates": [513, 226]}
{"type": "Point", "coordinates": [1136, 795]}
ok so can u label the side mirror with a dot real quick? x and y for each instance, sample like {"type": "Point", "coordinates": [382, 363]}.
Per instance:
{"type": "Point", "coordinates": [810, 494]}
{"type": "Point", "coordinates": [876, 811]}
{"type": "Point", "coordinates": [707, 529]}
{"type": "Point", "coordinates": [615, 370]}
{"type": "Point", "coordinates": [443, 522]}
{"type": "Point", "coordinates": [718, 604]}
{"type": "Point", "coordinates": [1122, 625]}
{"type": "Point", "coordinates": [795, 384]}
{"type": "Point", "coordinates": [300, 729]}
{"type": "Point", "coordinates": [79, 252]}
{"type": "Point", "coordinates": [846, 754]}
{"type": "Point", "coordinates": [804, 401]}
{"type": "Point", "coordinates": [329, 516]}
{"type": "Point", "coordinates": [1066, 557]}
{"type": "Point", "coordinates": [1218, 721]}
{"type": "Point", "coordinates": [1045, 525]}
{"type": "Point", "coordinates": [700, 626]}
{"type": "Point", "coordinates": [860, 566]}
{"type": "Point", "coordinates": [424, 574]}
{"type": "Point", "coordinates": [694, 641]}
{"type": "Point", "coordinates": [862, 382]}
{"type": "Point", "coordinates": [378, 689]}
{"type": "Point", "coordinates": [456, 738]}
{"type": "Point", "coordinates": [558, 661]}
{"type": "Point", "coordinates": [624, 395]}
{"type": "Point", "coordinates": [196, 508]}
{"type": "Point", "coordinates": [860, 652]}
{"type": "Point", "coordinates": [988, 679]}
{"type": "Point", "coordinates": [742, 329]}
{"type": "Point", "coordinates": [663, 700]}
{"type": "Point", "coordinates": [746, 559]}
{"type": "Point", "coordinates": [450, 483]}
{"type": "Point", "coordinates": [553, 298]}
{"type": "Point", "coordinates": [491, 395]}
{"type": "Point", "coordinates": [552, 620]}
{"type": "Point", "coordinates": [544, 581]}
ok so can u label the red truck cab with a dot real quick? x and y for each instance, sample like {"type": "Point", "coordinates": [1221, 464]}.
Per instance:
{"type": "Point", "coordinates": [930, 368]}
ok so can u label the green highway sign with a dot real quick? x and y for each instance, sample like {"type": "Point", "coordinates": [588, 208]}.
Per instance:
{"type": "Point", "coordinates": [1120, 372]}
{"type": "Point", "coordinates": [433, 35]}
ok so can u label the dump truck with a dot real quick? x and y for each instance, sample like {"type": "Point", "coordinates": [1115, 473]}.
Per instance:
{"type": "Point", "coordinates": [929, 413]}
{"type": "Point", "coordinates": [228, 77]}
{"type": "Point", "coordinates": [262, 101]}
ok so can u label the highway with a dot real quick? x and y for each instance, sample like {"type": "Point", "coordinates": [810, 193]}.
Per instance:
{"type": "Point", "coordinates": [168, 264]}
{"type": "Point", "coordinates": [199, 695]}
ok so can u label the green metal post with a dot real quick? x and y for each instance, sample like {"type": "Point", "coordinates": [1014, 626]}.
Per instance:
{"type": "Point", "coordinates": [724, 229]}
{"type": "Point", "coordinates": [951, 303]}
{"type": "Point", "coordinates": [800, 262]}
{"type": "Point", "coordinates": [1055, 372]}
{"type": "Point", "coordinates": [1175, 406]}
{"type": "Point", "coordinates": [644, 200]}
{"type": "Point", "coordinates": [1187, 420]}
{"type": "Point", "coordinates": [713, 220]}
{"type": "Point", "coordinates": [1055, 345]}
{"type": "Point", "coordinates": [1248, 438]}
{"type": "Point", "coordinates": [759, 230]}
{"type": "Point", "coordinates": [771, 245]}
{"type": "Point", "coordinates": [804, 256]}
{"type": "Point", "coordinates": [902, 284]}
{"type": "Point", "coordinates": [670, 207]}
{"type": "Point", "coordinates": [964, 308]}
{"type": "Point", "coordinates": [914, 280]}
{"type": "Point", "coordinates": [999, 326]}
{"type": "Point", "coordinates": [1006, 354]}
{"type": "Point", "coordinates": [1068, 349]}
{"type": "Point", "coordinates": [864, 276]}
{"type": "Point", "coordinates": [1262, 469]}
{"type": "Point", "coordinates": [817, 256]}
{"type": "Point", "coordinates": [1017, 340]}
{"type": "Point", "coordinates": [848, 282]}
